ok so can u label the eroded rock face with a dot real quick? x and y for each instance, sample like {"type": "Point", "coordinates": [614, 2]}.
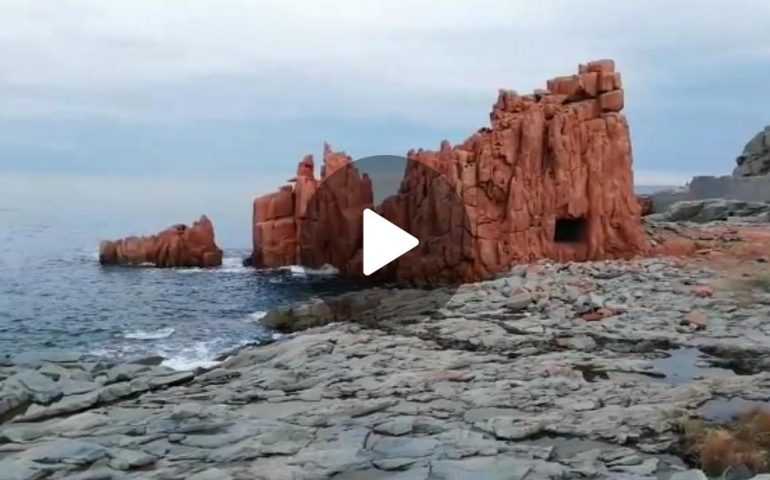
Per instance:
{"type": "Point", "coordinates": [550, 177]}
{"type": "Point", "coordinates": [755, 159]}
{"type": "Point", "coordinates": [176, 246]}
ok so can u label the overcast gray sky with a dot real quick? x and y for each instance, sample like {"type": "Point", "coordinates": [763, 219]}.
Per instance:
{"type": "Point", "coordinates": [245, 87]}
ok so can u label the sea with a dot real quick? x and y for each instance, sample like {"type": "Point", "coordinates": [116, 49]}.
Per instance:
{"type": "Point", "coordinates": [54, 293]}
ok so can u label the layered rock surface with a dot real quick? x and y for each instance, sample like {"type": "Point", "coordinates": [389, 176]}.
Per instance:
{"type": "Point", "coordinates": [176, 246]}
{"type": "Point", "coordinates": [495, 386]}
{"type": "Point", "coordinates": [549, 178]}
{"type": "Point", "coordinates": [755, 159]}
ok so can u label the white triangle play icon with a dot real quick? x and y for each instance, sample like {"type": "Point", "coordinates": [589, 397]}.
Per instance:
{"type": "Point", "coordinates": [383, 242]}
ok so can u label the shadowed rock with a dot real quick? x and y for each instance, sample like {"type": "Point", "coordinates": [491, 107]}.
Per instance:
{"type": "Point", "coordinates": [177, 246]}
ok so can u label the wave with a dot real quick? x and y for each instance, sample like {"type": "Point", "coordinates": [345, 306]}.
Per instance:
{"type": "Point", "coordinates": [299, 270]}
{"type": "Point", "coordinates": [117, 352]}
{"type": "Point", "coordinates": [257, 316]}
{"type": "Point", "coordinates": [198, 355]}
{"type": "Point", "coordinates": [185, 362]}
{"type": "Point", "coordinates": [233, 265]}
{"type": "Point", "coordinates": [150, 335]}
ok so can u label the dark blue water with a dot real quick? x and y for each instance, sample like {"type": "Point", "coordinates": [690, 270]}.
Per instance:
{"type": "Point", "coordinates": [53, 292]}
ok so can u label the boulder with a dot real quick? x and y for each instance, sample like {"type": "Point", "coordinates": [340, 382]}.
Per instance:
{"type": "Point", "coordinates": [177, 246]}
{"type": "Point", "coordinates": [550, 177]}
{"type": "Point", "coordinates": [755, 159]}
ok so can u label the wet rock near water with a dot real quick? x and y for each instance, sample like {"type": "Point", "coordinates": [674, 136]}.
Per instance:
{"type": "Point", "coordinates": [549, 371]}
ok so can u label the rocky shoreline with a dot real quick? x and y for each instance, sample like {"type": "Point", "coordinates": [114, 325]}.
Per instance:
{"type": "Point", "coordinates": [577, 370]}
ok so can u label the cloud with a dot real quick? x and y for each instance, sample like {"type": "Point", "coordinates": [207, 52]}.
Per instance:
{"type": "Point", "coordinates": [145, 59]}
{"type": "Point", "coordinates": [430, 65]}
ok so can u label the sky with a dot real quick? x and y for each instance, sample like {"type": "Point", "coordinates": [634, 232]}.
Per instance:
{"type": "Point", "coordinates": [170, 89]}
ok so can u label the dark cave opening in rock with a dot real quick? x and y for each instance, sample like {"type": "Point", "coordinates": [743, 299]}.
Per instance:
{"type": "Point", "coordinates": [569, 230]}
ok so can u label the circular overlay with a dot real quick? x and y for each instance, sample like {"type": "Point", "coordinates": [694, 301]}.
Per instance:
{"type": "Point", "coordinates": [411, 196]}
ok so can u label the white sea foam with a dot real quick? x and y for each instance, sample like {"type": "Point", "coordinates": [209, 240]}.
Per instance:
{"type": "Point", "coordinates": [233, 265]}
{"type": "Point", "coordinates": [326, 270]}
{"type": "Point", "coordinates": [183, 362]}
{"type": "Point", "coordinates": [189, 270]}
{"type": "Point", "coordinates": [257, 316]}
{"type": "Point", "coordinates": [200, 355]}
{"type": "Point", "coordinates": [229, 265]}
{"type": "Point", "coordinates": [150, 335]}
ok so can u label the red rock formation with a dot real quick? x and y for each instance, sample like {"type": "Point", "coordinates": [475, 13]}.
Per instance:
{"type": "Point", "coordinates": [334, 219]}
{"type": "Point", "coordinates": [550, 178]}
{"type": "Point", "coordinates": [176, 246]}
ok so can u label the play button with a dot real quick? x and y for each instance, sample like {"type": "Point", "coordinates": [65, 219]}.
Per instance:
{"type": "Point", "coordinates": [389, 225]}
{"type": "Point", "coordinates": [383, 242]}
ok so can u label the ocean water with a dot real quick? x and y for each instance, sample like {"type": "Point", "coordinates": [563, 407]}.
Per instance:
{"type": "Point", "coordinates": [54, 293]}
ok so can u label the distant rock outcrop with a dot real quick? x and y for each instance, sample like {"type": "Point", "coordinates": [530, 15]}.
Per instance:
{"type": "Point", "coordinates": [714, 210]}
{"type": "Point", "coordinates": [755, 159]}
{"type": "Point", "coordinates": [550, 177]}
{"type": "Point", "coordinates": [176, 246]}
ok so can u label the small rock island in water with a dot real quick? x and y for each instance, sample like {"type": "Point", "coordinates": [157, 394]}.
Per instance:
{"type": "Point", "coordinates": [176, 246]}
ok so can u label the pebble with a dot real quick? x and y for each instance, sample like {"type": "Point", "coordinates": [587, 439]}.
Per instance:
{"type": "Point", "coordinates": [519, 300]}
{"type": "Point", "coordinates": [695, 319]}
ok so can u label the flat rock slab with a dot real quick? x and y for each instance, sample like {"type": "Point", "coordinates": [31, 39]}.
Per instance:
{"type": "Point", "coordinates": [39, 357]}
